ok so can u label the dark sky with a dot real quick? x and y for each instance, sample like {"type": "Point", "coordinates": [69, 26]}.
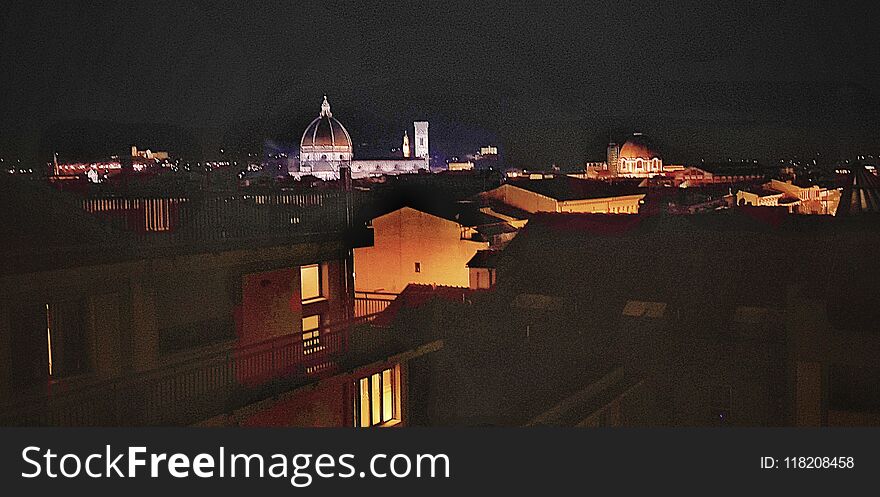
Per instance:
{"type": "Point", "coordinates": [550, 80]}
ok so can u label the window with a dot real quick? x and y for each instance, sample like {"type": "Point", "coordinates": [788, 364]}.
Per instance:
{"type": "Point", "coordinates": [311, 329]}
{"type": "Point", "coordinates": [48, 340]}
{"type": "Point", "coordinates": [310, 282]}
{"type": "Point", "coordinates": [377, 399]}
{"type": "Point", "coordinates": [418, 267]}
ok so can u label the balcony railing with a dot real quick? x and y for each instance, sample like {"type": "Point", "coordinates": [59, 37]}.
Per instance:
{"type": "Point", "coordinates": [223, 217]}
{"type": "Point", "coordinates": [368, 305]}
{"type": "Point", "coordinates": [105, 228]}
{"type": "Point", "coordinates": [194, 389]}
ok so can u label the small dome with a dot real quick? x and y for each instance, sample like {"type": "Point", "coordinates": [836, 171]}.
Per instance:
{"type": "Point", "coordinates": [638, 147]}
{"type": "Point", "coordinates": [325, 131]}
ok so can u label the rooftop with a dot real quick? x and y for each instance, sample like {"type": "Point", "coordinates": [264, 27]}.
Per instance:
{"type": "Point", "coordinates": [861, 193]}
{"type": "Point", "coordinates": [563, 188]}
{"type": "Point", "coordinates": [484, 259]}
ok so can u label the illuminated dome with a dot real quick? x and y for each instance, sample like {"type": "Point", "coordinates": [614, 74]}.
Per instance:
{"type": "Point", "coordinates": [325, 131]}
{"type": "Point", "coordinates": [638, 147]}
{"type": "Point", "coordinates": [325, 146]}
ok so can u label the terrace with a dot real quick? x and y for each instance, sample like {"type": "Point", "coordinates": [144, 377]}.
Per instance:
{"type": "Point", "coordinates": [211, 382]}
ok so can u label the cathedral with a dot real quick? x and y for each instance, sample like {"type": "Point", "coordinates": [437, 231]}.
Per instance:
{"type": "Point", "coordinates": [637, 158]}
{"type": "Point", "coordinates": [326, 146]}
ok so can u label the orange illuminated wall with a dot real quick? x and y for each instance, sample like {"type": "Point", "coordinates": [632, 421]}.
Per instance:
{"type": "Point", "coordinates": [530, 201]}
{"type": "Point", "coordinates": [411, 246]}
{"type": "Point", "coordinates": [522, 199]}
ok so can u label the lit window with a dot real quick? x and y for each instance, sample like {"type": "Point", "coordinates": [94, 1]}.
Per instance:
{"type": "Point", "coordinates": [377, 399]}
{"type": "Point", "coordinates": [311, 332]}
{"type": "Point", "coordinates": [310, 282]}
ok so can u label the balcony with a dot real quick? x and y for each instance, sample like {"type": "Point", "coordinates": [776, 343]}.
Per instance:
{"type": "Point", "coordinates": [56, 229]}
{"type": "Point", "coordinates": [369, 305]}
{"type": "Point", "coordinates": [210, 382]}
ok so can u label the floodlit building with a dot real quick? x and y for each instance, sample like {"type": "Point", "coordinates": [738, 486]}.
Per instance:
{"type": "Point", "coordinates": [422, 146]}
{"type": "Point", "coordinates": [758, 197]}
{"type": "Point", "coordinates": [638, 158]}
{"type": "Point", "coordinates": [567, 194]}
{"type": "Point", "coordinates": [711, 174]}
{"type": "Point", "coordinates": [460, 166]}
{"type": "Point", "coordinates": [612, 156]}
{"type": "Point", "coordinates": [429, 247]}
{"type": "Point", "coordinates": [326, 146]}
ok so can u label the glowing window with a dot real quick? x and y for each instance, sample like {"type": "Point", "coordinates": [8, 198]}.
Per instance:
{"type": "Point", "coordinates": [377, 399]}
{"type": "Point", "coordinates": [310, 282]}
{"type": "Point", "coordinates": [311, 334]}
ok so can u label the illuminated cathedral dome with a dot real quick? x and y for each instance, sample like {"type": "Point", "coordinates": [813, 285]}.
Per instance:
{"type": "Point", "coordinates": [638, 147]}
{"type": "Point", "coordinates": [325, 146]}
{"type": "Point", "coordinates": [638, 158]}
{"type": "Point", "coordinates": [325, 131]}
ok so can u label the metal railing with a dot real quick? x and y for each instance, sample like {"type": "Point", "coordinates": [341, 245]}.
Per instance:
{"type": "Point", "coordinates": [370, 304]}
{"type": "Point", "coordinates": [222, 217]}
{"type": "Point", "coordinates": [191, 390]}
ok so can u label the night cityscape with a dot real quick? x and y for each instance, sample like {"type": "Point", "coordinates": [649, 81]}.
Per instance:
{"type": "Point", "coordinates": [455, 214]}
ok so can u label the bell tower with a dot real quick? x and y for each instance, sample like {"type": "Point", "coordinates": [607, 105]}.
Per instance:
{"type": "Point", "coordinates": [422, 150]}
{"type": "Point", "coordinates": [405, 145]}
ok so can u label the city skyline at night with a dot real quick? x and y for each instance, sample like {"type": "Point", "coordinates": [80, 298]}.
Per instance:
{"type": "Point", "coordinates": [524, 245]}
{"type": "Point", "coordinates": [766, 82]}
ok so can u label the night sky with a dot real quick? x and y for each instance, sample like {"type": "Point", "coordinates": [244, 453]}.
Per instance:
{"type": "Point", "coordinates": [548, 81]}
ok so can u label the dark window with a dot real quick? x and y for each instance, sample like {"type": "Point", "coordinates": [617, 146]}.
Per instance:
{"type": "Point", "coordinates": [29, 357]}
{"type": "Point", "coordinates": [48, 340]}
{"type": "Point", "coordinates": [418, 267]}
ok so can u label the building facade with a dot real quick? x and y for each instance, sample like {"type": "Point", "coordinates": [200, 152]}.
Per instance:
{"type": "Point", "coordinates": [411, 246]}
